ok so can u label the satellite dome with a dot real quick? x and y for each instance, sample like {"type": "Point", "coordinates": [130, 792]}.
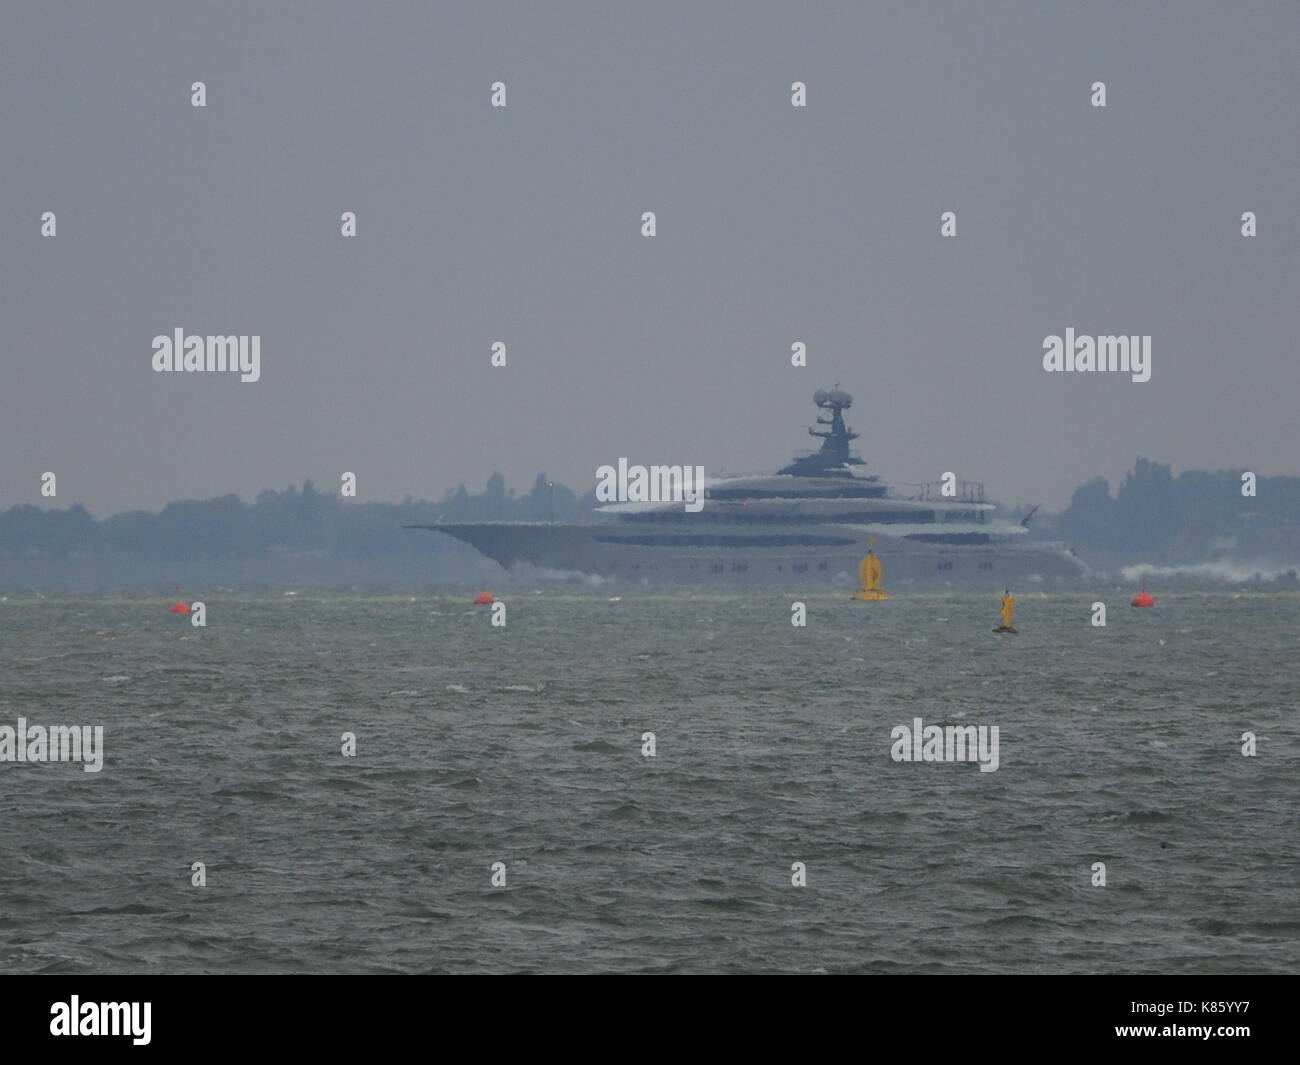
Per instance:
{"type": "Point", "coordinates": [819, 397]}
{"type": "Point", "coordinates": [840, 398]}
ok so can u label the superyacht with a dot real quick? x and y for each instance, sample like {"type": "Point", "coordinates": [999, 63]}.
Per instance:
{"type": "Point", "coordinates": [810, 522]}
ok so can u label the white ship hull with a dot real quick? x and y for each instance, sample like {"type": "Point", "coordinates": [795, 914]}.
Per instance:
{"type": "Point", "coordinates": [765, 554]}
{"type": "Point", "coordinates": [807, 524]}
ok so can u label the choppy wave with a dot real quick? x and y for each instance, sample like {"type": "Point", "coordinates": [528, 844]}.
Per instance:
{"type": "Point", "coordinates": [527, 746]}
{"type": "Point", "coordinates": [1224, 572]}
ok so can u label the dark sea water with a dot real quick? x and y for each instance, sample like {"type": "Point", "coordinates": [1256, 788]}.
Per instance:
{"type": "Point", "coordinates": [522, 745]}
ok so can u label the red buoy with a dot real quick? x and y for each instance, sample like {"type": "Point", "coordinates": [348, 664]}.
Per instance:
{"type": "Point", "coordinates": [1143, 598]}
{"type": "Point", "coordinates": [179, 608]}
{"type": "Point", "coordinates": [483, 598]}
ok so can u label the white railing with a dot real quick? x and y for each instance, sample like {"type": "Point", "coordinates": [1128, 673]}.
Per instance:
{"type": "Point", "coordinates": [932, 492]}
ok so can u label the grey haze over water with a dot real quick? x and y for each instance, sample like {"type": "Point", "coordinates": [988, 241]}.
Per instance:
{"type": "Point", "coordinates": [775, 224]}
{"type": "Point", "coordinates": [523, 745]}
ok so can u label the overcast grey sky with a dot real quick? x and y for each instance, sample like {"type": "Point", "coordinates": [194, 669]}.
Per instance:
{"type": "Point", "coordinates": [775, 224]}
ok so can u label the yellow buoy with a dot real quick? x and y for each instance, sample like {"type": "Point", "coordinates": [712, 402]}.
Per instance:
{"type": "Point", "coordinates": [869, 576]}
{"type": "Point", "coordinates": [1006, 610]}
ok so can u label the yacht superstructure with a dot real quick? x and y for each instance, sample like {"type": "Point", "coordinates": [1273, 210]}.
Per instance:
{"type": "Point", "coordinates": [813, 519]}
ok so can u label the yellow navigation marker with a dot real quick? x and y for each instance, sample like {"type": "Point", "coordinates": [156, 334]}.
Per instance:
{"type": "Point", "coordinates": [1006, 610]}
{"type": "Point", "coordinates": [869, 575]}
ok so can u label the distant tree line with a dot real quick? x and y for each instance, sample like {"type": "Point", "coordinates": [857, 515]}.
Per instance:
{"type": "Point", "coordinates": [299, 520]}
{"type": "Point", "coordinates": [1153, 516]}
{"type": "Point", "coordinates": [1197, 515]}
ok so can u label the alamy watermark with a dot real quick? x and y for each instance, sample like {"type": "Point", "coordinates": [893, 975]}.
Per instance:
{"type": "Point", "coordinates": [58, 743]}
{"type": "Point", "coordinates": [656, 484]}
{"type": "Point", "coordinates": [951, 743]}
{"type": "Point", "coordinates": [1070, 354]}
{"type": "Point", "coordinates": [102, 1018]}
{"type": "Point", "coordinates": [198, 354]}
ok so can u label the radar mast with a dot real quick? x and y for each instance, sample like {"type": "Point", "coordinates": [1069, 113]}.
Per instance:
{"type": "Point", "coordinates": [834, 453]}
